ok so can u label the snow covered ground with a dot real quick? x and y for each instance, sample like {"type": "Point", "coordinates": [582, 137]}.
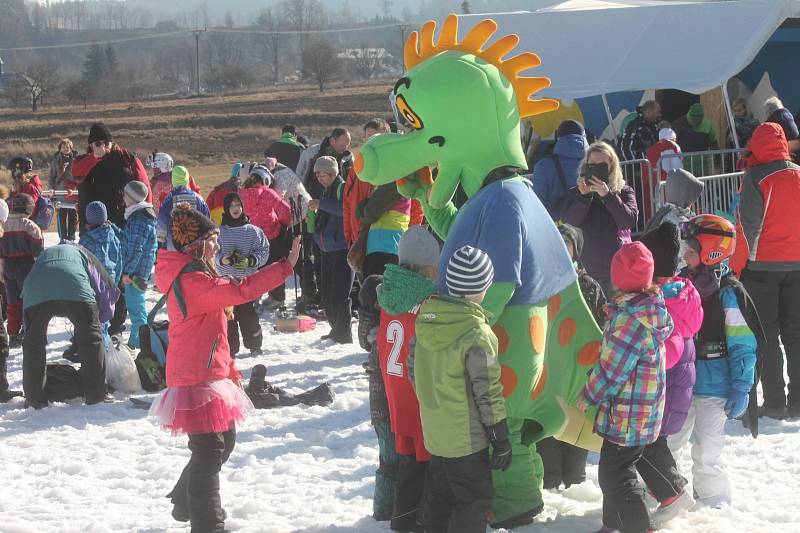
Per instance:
{"type": "Point", "coordinates": [73, 468]}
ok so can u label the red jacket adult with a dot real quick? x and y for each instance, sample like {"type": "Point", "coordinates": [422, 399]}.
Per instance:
{"type": "Point", "coordinates": [104, 180]}
{"type": "Point", "coordinates": [663, 147]}
{"type": "Point", "coordinates": [394, 334]}
{"type": "Point", "coordinates": [767, 236]}
{"type": "Point", "coordinates": [266, 209]}
{"type": "Point", "coordinates": [355, 191]}
{"type": "Point", "coordinates": [198, 348]}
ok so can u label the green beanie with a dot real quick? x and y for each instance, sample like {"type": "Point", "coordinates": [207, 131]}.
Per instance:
{"type": "Point", "coordinates": [180, 176]}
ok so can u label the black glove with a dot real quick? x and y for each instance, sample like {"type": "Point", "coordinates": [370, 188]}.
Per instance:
{"type": "Point", "coordinates": [501, 447]}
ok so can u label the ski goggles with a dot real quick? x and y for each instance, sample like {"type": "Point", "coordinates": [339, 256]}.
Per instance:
{"type": "Point", "coordinates": [690, 230]}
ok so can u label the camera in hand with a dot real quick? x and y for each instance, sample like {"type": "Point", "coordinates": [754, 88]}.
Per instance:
{"type": "Point", "coordinates": [597, 170]}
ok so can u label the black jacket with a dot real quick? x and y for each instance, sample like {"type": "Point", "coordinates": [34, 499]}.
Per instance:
{"type": "Point", "coordinates": [287, 154]}
{"type": "Point", "coordinates": [105, 183]}
{"type": "Point", "coordinates": [638, 137]}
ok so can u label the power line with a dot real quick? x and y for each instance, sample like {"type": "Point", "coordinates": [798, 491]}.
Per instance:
{"type": "Point", "coordinates": [190, 32]}
{"type": "Point", "coordinates": [108, 41]}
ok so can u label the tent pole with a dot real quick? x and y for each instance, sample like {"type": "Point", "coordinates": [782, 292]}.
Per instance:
{"type": "Point", "coordinates": [731, 123]}
{"type": "Point", "coordinates": [608, 114]}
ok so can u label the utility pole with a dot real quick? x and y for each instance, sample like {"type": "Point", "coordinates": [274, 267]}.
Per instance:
{"type": "Point", "coordinates": [403, 28]}
{"type": "Point", "coordinates": [197, 33]}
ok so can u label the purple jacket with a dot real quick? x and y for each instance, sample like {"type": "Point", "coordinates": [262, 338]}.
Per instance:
{"type": "Point", "coordinates": [606, 224]}
{"type": "Point", "coordinates": [686, 310]}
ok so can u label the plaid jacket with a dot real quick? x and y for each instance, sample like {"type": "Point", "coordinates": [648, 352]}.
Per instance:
{"type": "Point", "coordinates": [139, 244]}
{"type": "Point", "coordinates": [627, 384]}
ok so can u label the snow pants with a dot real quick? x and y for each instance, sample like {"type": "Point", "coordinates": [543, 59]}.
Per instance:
{"type": "Point", "coordinates": [659, 471]}
{"type": "Point", "coordinates": [337, 280]}
{"type": "Point", "coordinates": [87, 340]}
{"type": "Point", "coordinates": [623, 496]}
{"type": "Point", "coordinates": [15, 270]}
{"type": "Point", "coordinates": [67, 223]}
{"type": "Point", "coordinates": [459, 494]}
{"type": "Point", "coordinates": [375, 263]}
{"type": "Point", "coordinates": [279, 249]}
{"type": "Point", "coordinates": [777, 299]}
{"type": "Point", "coordinates": [246, 319]}
{"type": "Point", "coordinates": [197, 489]}
{"type": "Point", "coordinates": [386, 475]}
{"type": "Point", "coordinates": [117, 324]}
{"type": "Point", "coordinates": [410, 493]}
{"type": "Point", "coordinates": [4, 348]}
{"type": "Point", "coordinates": [562, 462]}
{"type": "Point", "coordinates": [137, 309]}
{"type": "Point", "coordinates": [706, 425]}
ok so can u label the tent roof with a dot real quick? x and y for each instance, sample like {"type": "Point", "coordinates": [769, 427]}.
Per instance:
{"type": "Point", "coordinates": [591, 47]}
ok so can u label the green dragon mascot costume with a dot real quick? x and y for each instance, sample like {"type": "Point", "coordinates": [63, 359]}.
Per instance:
{"type": "Point", "coordinates": [463, 103]}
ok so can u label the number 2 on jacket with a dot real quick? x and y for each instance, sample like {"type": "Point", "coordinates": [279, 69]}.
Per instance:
{"type": "Point", "coordinates": [394, 336]}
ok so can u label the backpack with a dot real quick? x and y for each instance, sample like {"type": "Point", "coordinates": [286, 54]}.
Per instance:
{"type": "Point", "coordinates": [62, 383]}
{"type": "Point", "coordinates": [151, 362]}
{"type": "Point", "coordinates": [43, 212]}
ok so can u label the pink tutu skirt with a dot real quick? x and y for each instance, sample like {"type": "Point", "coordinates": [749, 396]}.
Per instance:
{"type": "Point", "coordinates": [210, 407]}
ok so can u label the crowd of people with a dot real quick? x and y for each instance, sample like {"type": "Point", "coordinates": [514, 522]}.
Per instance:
{"type": "Point", "coordinates": [691, 310]}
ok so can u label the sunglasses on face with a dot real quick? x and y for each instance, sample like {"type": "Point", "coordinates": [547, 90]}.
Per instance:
{"type": "Point", "coordinates": [690, 230]}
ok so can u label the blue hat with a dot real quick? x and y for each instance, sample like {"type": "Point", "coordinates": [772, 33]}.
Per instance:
{"type": "Point", "coordinates": [96, 213]}
{"type": "Point", "coordinates": [469, 272]}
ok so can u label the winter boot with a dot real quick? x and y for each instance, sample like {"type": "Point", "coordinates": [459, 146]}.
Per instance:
{"type": "Point", "coordinates": [519, 520]}
{"type": "Point", "coordinates": [778, 413]}
{"type": "Point", "coordinates": [672, 508]}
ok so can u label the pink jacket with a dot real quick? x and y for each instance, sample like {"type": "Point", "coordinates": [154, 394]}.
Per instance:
{"type": "Point", "coordinates": [198, 348]}
{"type": "Point", "coordinates": [266, 209]}
{"type": "Point", "coordinates": [686, 310]}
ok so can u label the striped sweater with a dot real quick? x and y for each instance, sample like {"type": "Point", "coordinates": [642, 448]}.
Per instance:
{"type": "Point", "coordinates": [247, 240]}
{"type": "Point", "coordinates": [388, 215]}
{"type": "Point", "coordinates": [627, 384]}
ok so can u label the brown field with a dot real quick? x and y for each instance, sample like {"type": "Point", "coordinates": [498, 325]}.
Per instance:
{"type": "Point", "coordinates": [207, 133]}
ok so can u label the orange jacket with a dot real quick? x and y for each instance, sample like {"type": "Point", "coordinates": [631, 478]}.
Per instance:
{"type": "Point", "coordinates": [355, 192]}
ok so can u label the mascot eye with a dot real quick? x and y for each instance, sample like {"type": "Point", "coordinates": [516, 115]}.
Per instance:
{"type": "Point", "coordinates": [407, 114]}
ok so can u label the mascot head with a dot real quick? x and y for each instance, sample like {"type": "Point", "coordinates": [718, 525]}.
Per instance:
{"type": "Point", "coordinates": [462, 102]}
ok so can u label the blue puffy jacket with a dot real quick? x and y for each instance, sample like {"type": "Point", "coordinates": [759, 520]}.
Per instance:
{"type": "Point", "coordinates": [570, 150]}
{"type": "Point", "coordinates": [329, 234]}
{"type": "Point", "coordinates": [104, 241]}
{"type": "Point", "coordinates": [139, 243]}
{"type": "Point", "coordinates": [720, 375]}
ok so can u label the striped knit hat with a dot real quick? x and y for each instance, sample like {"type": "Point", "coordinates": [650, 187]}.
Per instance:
{"type": "Point", "coordinates": [469, 272]}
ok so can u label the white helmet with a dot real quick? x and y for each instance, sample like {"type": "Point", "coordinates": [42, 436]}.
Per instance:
{"type": "Point", "coordinates": [162, 162]}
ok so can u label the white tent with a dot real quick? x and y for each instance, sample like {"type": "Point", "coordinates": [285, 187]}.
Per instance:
{"type": "Point", "coordinates": [592, 47]}
{"type": "Point", "coordinates": [597, 47]}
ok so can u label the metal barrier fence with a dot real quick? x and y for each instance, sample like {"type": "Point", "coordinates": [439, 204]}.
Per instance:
{"type": "Point", "coordinates": [717, 168]}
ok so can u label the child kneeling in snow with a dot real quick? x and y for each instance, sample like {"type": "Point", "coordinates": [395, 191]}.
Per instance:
{"type": "Point", "coordinates": [203, 397]}
{"type": "Point", "coordinates": [627, 385]}
{"type": "Point", "coordinates": [453, 365]}
{"type": "Point", "coordinates": [243, 249]}
{"type": "Point", "coordinates": [726, 354]}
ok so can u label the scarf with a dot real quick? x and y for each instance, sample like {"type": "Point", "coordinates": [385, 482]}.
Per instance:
{"type": "Point", "coordinates": [403, 289]}
{"type": "Point", "coordinates": [131, 209]}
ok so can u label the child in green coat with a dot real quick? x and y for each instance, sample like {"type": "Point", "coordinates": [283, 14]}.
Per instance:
{"type": "Point", "coordinates": [455, 345]}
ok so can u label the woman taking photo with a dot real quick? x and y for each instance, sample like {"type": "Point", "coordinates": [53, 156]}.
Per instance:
{"type": "Point", "coordinates": [604, 208]}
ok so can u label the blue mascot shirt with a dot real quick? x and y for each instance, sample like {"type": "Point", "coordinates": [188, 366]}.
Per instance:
{"type": "Point", "coordinates": [506, 220]}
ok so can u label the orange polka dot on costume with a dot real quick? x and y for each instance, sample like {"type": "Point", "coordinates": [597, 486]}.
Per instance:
{"type": "Point", "coordinates": [589, 354]}
{"type": "Point", "coordinates": [553, 307]}
{"type": "Point", "coordinates": [508, 379]}
{"type": "Point", "coordinates": [502, 338]}
{"type": "Point", "coordinates": [537, 331]}
{"type": "Point", "coordinates": [566, 331]}
{"type": "Point", "coordinates": [537, 390]}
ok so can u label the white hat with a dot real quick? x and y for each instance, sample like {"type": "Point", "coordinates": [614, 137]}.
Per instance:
{"type": "Point", "coordinates": [667, 134]}
{"type": "Point", "coordinates": [3, 211]}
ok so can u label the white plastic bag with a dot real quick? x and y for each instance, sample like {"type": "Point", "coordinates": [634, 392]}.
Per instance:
{"type": "Point", "coordinates": [121, 371]}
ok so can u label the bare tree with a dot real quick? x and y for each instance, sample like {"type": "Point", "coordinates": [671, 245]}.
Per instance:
{"type": "Point", "coordinates": [320, 61]}
{"type": "Point", "coordinates": [44, 80]}
{"type": "Point", "coordinates": [303, 16]}
{"type": "Point", "coordinates": [272, 44]}
{"type": "Point", "coordinates": [80, 90]}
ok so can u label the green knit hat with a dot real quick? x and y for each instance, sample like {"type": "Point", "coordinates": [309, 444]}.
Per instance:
{"type": "Point", "coordinates": [180, 176]}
